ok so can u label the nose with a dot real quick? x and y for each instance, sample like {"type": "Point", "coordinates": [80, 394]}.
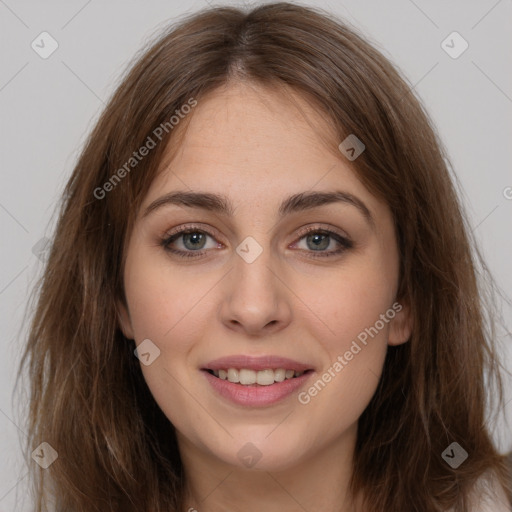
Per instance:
{"type": "Point", "coordinates": [256, 300]}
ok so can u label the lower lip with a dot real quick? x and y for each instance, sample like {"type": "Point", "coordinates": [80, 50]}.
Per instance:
{"type": "Point", "coordinates": [256, 396]}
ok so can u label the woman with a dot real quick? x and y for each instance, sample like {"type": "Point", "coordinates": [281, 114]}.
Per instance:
{"type": "Point", "coordinates": [261, 292]}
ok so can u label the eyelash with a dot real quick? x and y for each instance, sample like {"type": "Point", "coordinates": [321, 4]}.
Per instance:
{"type": "Point", "coordinates": [171, 237]}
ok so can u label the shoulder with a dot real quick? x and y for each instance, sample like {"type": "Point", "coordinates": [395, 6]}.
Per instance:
{"type": "Point", "coordinates": [489, 496]}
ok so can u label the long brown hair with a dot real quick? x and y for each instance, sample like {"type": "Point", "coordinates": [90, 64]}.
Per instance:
{"type": "Point", "coordinates": [88, 399]}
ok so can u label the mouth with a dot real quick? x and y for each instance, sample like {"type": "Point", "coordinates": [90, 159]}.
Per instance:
{"type": "Point", "coordinates": [256, 379]}
{"type": "Point", "coordinates": [249, 377]}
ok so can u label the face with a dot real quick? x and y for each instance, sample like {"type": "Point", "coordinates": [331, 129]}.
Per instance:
{"type": "Point", "coordinates": [311, 288]}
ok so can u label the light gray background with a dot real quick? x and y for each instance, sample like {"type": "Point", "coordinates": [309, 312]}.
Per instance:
{"type": "Point", "coordinates": [48, 107]}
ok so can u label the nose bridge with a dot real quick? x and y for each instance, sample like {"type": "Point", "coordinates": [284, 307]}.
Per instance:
{"type": "Point", "coordinates": [253, 263]}
{"type": "Point", "coordinates": [255, 297]}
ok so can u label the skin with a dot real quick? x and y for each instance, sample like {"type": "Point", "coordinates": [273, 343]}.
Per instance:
{"type": "Point", "coordinates": [253, 144]}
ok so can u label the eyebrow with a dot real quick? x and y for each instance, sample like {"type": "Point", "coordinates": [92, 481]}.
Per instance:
{"type": "Point", "coordinates": [222, 205]}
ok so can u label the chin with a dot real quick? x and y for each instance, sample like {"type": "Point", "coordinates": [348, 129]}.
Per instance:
{"type": "Point", "coordinates": [263, 452]}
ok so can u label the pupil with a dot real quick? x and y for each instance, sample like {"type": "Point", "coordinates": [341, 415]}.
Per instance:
{"type": "Point", "coordinates": [195, 237]}
{"type": "Point", "coordinates": [320, 238]}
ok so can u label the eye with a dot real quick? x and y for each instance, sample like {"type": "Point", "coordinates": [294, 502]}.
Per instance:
{"type": "Point", "coordinates": [193, 241]}
{"type": "Point", "coordinates": [317, 239]}
{"type": "Point", "coordinates": [192, 238]}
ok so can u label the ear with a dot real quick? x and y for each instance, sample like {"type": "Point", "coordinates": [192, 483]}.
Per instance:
{"type": "Point", "coordinates": [401, 325]}
{"type": "Point", "coordinates": [123, 317]}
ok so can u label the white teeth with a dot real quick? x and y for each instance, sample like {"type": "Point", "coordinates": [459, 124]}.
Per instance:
{"type": "Point", "coordinates": [247, 377]}
{"type": "Point", "coordinates": [263, 377]}
{"type": "Point", "coordinates": [279, 375]}
{"type": "Point", "coordinates": [233, 375]}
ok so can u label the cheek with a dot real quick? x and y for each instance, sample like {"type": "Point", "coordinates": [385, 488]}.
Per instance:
{"type": "Point", "coordinates": [354, 358]}
{"type": "Point", "coordinates": [355, 311]}
{"type": "Point", "coordinates": [162, 300]}
{"type": "Point", "coordinates": [165, 307]}
{"type": "Point", "coordinates": [350, 301]}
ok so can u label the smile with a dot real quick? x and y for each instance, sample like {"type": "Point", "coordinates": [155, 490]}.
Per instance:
{"type": "Point", "coordinates": [248, 377]}
{"type": "Point", "coordinates": [256, 381]}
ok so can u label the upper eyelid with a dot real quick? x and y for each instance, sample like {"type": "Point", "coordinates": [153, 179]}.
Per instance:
{"type": "Point", "coordinates": [192, 227]}
{"type": "Point", "coordinates": [213, 232]}
{"type": "Point", "coordinates": [302, 232]}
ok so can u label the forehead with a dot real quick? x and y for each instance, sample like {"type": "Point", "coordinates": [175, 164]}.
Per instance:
{"type": "Point", "coordinates": [255, 143]}
{"type": "Point", "coordinates": [243, 120]}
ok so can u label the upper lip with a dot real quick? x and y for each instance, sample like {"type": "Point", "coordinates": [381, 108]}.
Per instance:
{"type": "Point", "coordinates": [256, 363]}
